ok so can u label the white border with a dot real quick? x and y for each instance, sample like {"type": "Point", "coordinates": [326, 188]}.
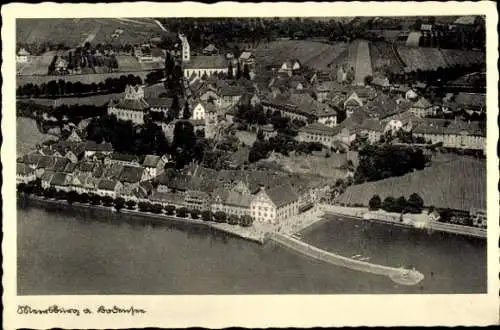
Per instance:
{"type": "Point", "coordinates": [251, 310]}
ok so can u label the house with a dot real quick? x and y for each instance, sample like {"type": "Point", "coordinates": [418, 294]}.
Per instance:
{"type": "Point", "coordinates": [319, 133]}
{"type": "Point", "coordinates": [167, 198]}
{"type": "Point", "coordinates": [268, 131]}
{"type": "Point", "coordinates": [422, 108]}
{"type": "Point", "coordinates": [74, 137]}
{"type": "Point", "coordinates": [247, 58]}
{"type": "Point", "coordinates": [123, 159]}
{"type": "Point", "coordinates": [159, 104]}
{"type": "Point", "coordinates": [22, 56]}
{"type": "Point", "coordinates": [479, 217]}
{"type": "Point", "coordinates": [107, 187]}
{"type": "Point", "coordinates": [274, 205]}
{"type": "Point", "coordinates": [211, 96]}
{"type": "Point", "coordinates": [61, 181]}
{"type": "Point", "coordinates": [236, 202]}
{"type": "Point", "coordinates": [201, 66]}
{"type": "Point", "coordinates": [131, 107]}
{"type": "Point", "coordinates": [61, 66]}
{"type": "Point", "coordinates": [230, 95]}
{"type": "Point", "coordinates": [202, 109]}
{"type": "Point", "coordinates": [91, 148]}
{"type": "Point", "coordinates": [290, 66]}
{"type": "Point", "coordinates": [153, 165]}
{"type": "Point", "coordinates": [470, 102]}
{"type": "Point", "coordinates": [24, 173]}
{"type": "Point", "coordinates": [323, 88]}
{"type": "Point", "coordinates": [131, 174]}
{"type": "Point", "coordinates": [210, 50]}
{"type": "Point", "coordinates": [197, 200]}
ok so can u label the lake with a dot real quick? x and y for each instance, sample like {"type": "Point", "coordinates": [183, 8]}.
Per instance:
{"type": "Point", "coordinates": [87, 252]}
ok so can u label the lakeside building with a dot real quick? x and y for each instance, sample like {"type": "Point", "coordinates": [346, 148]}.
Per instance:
{"type": "Point", "coordinates": [318, 132]}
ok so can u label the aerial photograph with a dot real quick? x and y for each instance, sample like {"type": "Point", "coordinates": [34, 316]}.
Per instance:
{"type": "Point", "coordinates": [251, 155]}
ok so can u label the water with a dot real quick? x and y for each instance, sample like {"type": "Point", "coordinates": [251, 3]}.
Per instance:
{"type": "Point", "coordinates": [86, 252]}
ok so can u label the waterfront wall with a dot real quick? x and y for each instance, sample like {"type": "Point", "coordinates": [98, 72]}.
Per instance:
{"type": "Point", "coordinates": [398, 275]}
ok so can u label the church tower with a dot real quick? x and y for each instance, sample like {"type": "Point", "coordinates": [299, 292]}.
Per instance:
{"type": "Point", "coordinates": [186, 51]}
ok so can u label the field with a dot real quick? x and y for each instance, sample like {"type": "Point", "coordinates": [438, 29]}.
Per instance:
{"type": "Point", "coordinates": [130, 63]}
{"type": "Point", "coordinates": [363, 63]}
{"type": "Point", "coordinates": [459, 183]}
{"type": "Point", "coordinates": [28, 135]}
{"type": "Point", "coordinates": [316, 55]}
{"type": "Point", "coordinates": [75, 31]}
{"type": "Point", "coordinates": [316, 164]}
{"type": "Point", "coordinates": [83, 78]}
{"type": "Point", "coordinates": [37, 65]}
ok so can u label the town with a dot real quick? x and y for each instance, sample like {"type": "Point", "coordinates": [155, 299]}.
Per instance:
{"type": "Point", "coordinates": [374, 121]}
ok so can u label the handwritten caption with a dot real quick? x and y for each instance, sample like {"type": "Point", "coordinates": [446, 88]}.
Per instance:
{"type": "Point", "coordinates": [54, 309]}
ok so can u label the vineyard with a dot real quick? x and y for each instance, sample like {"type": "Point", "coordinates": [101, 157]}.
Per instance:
{"type": "Point", "coordinates": [316, 55]}
{"type": "Point", "coordinates": [384, 59]}
{"type": "Point", "coordinates": [437, 184]}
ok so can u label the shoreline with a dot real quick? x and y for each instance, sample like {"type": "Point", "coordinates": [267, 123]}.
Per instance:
{"type": "Point", "coordinates": [53, 204]}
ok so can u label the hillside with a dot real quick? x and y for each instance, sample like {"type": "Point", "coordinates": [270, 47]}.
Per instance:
{"type": "Point", "coordinates": [458, 184]}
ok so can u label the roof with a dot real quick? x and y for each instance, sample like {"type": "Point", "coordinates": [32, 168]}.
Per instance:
{"type": "Point", "coordinates": [86, 166]}
{"type": "Point", "coordinates": [123, 157]}
{"type": "Point", "coordinates": [232, 91]}
{"type": "Point", "coordinates": [413, 39]}
{"type": "Point", "coordinates": [113, 171]}
{"type": "Point", "coordinates": [98, 171]}
{"type": "Point", "coordinates": [23, 169]}
{"type": "Point", "coordinates": [23, 52]}
{"type": "Point", "coordinates": [47, 176]}
{"type": "Point", "coordinates": [318, 128]}
{"type": "Point", "coordinates": [93, 146]}
{"type": "Point", "coordinates": [46, 162]}
{"type": "Point", "coordinates": [131, 174]}
{"type": "Point", "coordinates": [207, 62]}
{"type": "Point", "coordinates": [210, 48]}
{"type": "Point", "coordinates": [471, 99]}
{"type": "Point", "coordinates": [282, 195]}
{"type": "Point", "coordinates": [443, 126]}
{"type": "Point", "coordinates": [246, 55]}
{"type": "Point", "coordinates": [237, 199]}
{"type": "Point", "coordinates": [130, 104]}
{"type": "Point", "coordinates": [160, 102]}
{"type": "Point", "coordinates": [422, 103]}
{"type": "Point", "coordinates": [60, 164]}
{"type": "Point", "coordinates": [151, 160]}
{"type": "Point", "coordinates": [106, 184]}
{"type": "Point", "coordinates": [166, 197]}
{"type": "Point", "coordinates": [59, 179]}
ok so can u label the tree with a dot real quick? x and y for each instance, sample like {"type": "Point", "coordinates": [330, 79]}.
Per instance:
{"type": "Point", "coordinates": [186, 114]}
{"type": "Point", "coordinates": [173, 112]}
{"type": "Point", "coordinates": [238, 71]}
{"type": "Point", "coordinates": [107, 200]}
{"type": "Point", "coordinates": [130, 204]}
{"type": "Point", "coordinates": [260, 135]}
{"type": "Point", "coordinates": [84, 198]}
{"type": "Point", "coordinates": [95, 199]}
{"type": "Point", "coordinates": [156, 208]}
{"type": "Point", "coordinates": [220, 216]}
{"type": "Point", "coordinates": [445, 215]}
{"type": "Point", "coordinates": [119, 203]}
{"type": "Point", "coordinates": [389, 204]}
{"type": "Point", "coordinates": [230, 74]}
{"type": "Point", "coordinates": [232, 219]}
{"type": "Point", "coordinates": [368, 80]}
{"type": "Point", "coordinates": [206, 215]}
{"type": "Point", "coordinates": [400, 205]}
{"type": "Point", "coordinates": [144, 206]}
{"type": "Point", "coordinates": [246, 220]}
{"type": "Point", "coordinates": [170, 209]}
{"type": "Point", "coordinates": [415, 203]}
{"type": "Point", "coordinates": [195, 214]}
{"type": "Point", "coordinates": [375, 203]}
{"type": "Point", "coordinates": [72, 197]}
{"type": "Point", "coordinates": [182, 212]}
{"type": "Point", "coordinates": [246, 72]}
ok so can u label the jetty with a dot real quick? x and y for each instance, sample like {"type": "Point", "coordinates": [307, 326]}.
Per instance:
{"type": "Point", "coordinates": [399, 275]}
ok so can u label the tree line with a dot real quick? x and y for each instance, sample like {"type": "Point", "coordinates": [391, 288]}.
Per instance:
{"type": "Point", "coordinates": [414, 204]}
{"type": "Point", "coordinates": [119, 203]}
{"type": "Point", "coordinates": [63, 88]}
{"type": "Point", "coordinates": [377, 162]}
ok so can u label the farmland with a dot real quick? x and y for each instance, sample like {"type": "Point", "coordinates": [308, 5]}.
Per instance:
{"type": "Point", "coordinates": [130, 63]}
{"type": "Point", "coordinates": [384, 58]}
{"type": "Point", "coordinates": [437, 184]}
{"type": "Point", "coordinates": [74, 32]}
{"type": "Point", "coordinates": [363, 66]}
{"type": "Point", "coordinates": [316, 55]}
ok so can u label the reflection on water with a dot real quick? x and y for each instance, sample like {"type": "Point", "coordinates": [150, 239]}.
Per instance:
{"type": "Point", "coordinates": [91, 252]}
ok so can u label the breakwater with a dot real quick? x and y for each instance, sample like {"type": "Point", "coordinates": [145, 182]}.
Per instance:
{"type": "Point", "coordinates": [399, 275]}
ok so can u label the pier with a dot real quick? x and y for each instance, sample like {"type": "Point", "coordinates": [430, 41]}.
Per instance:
{"type": "Point", "coordinates": [399, 275]}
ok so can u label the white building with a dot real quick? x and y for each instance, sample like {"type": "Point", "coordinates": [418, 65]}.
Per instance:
{"type": "Point", "coordinates": [132, 107]}
{"type": "Point", "coordinates": [200, 66]}
{"type": "Point", "coordinates": [274, 205]}
{"type": "Point", "coordinates": [186, 50]}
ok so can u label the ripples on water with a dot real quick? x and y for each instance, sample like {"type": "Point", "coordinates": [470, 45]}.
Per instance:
{"type": "Point", "coordinates": [71, 252]}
